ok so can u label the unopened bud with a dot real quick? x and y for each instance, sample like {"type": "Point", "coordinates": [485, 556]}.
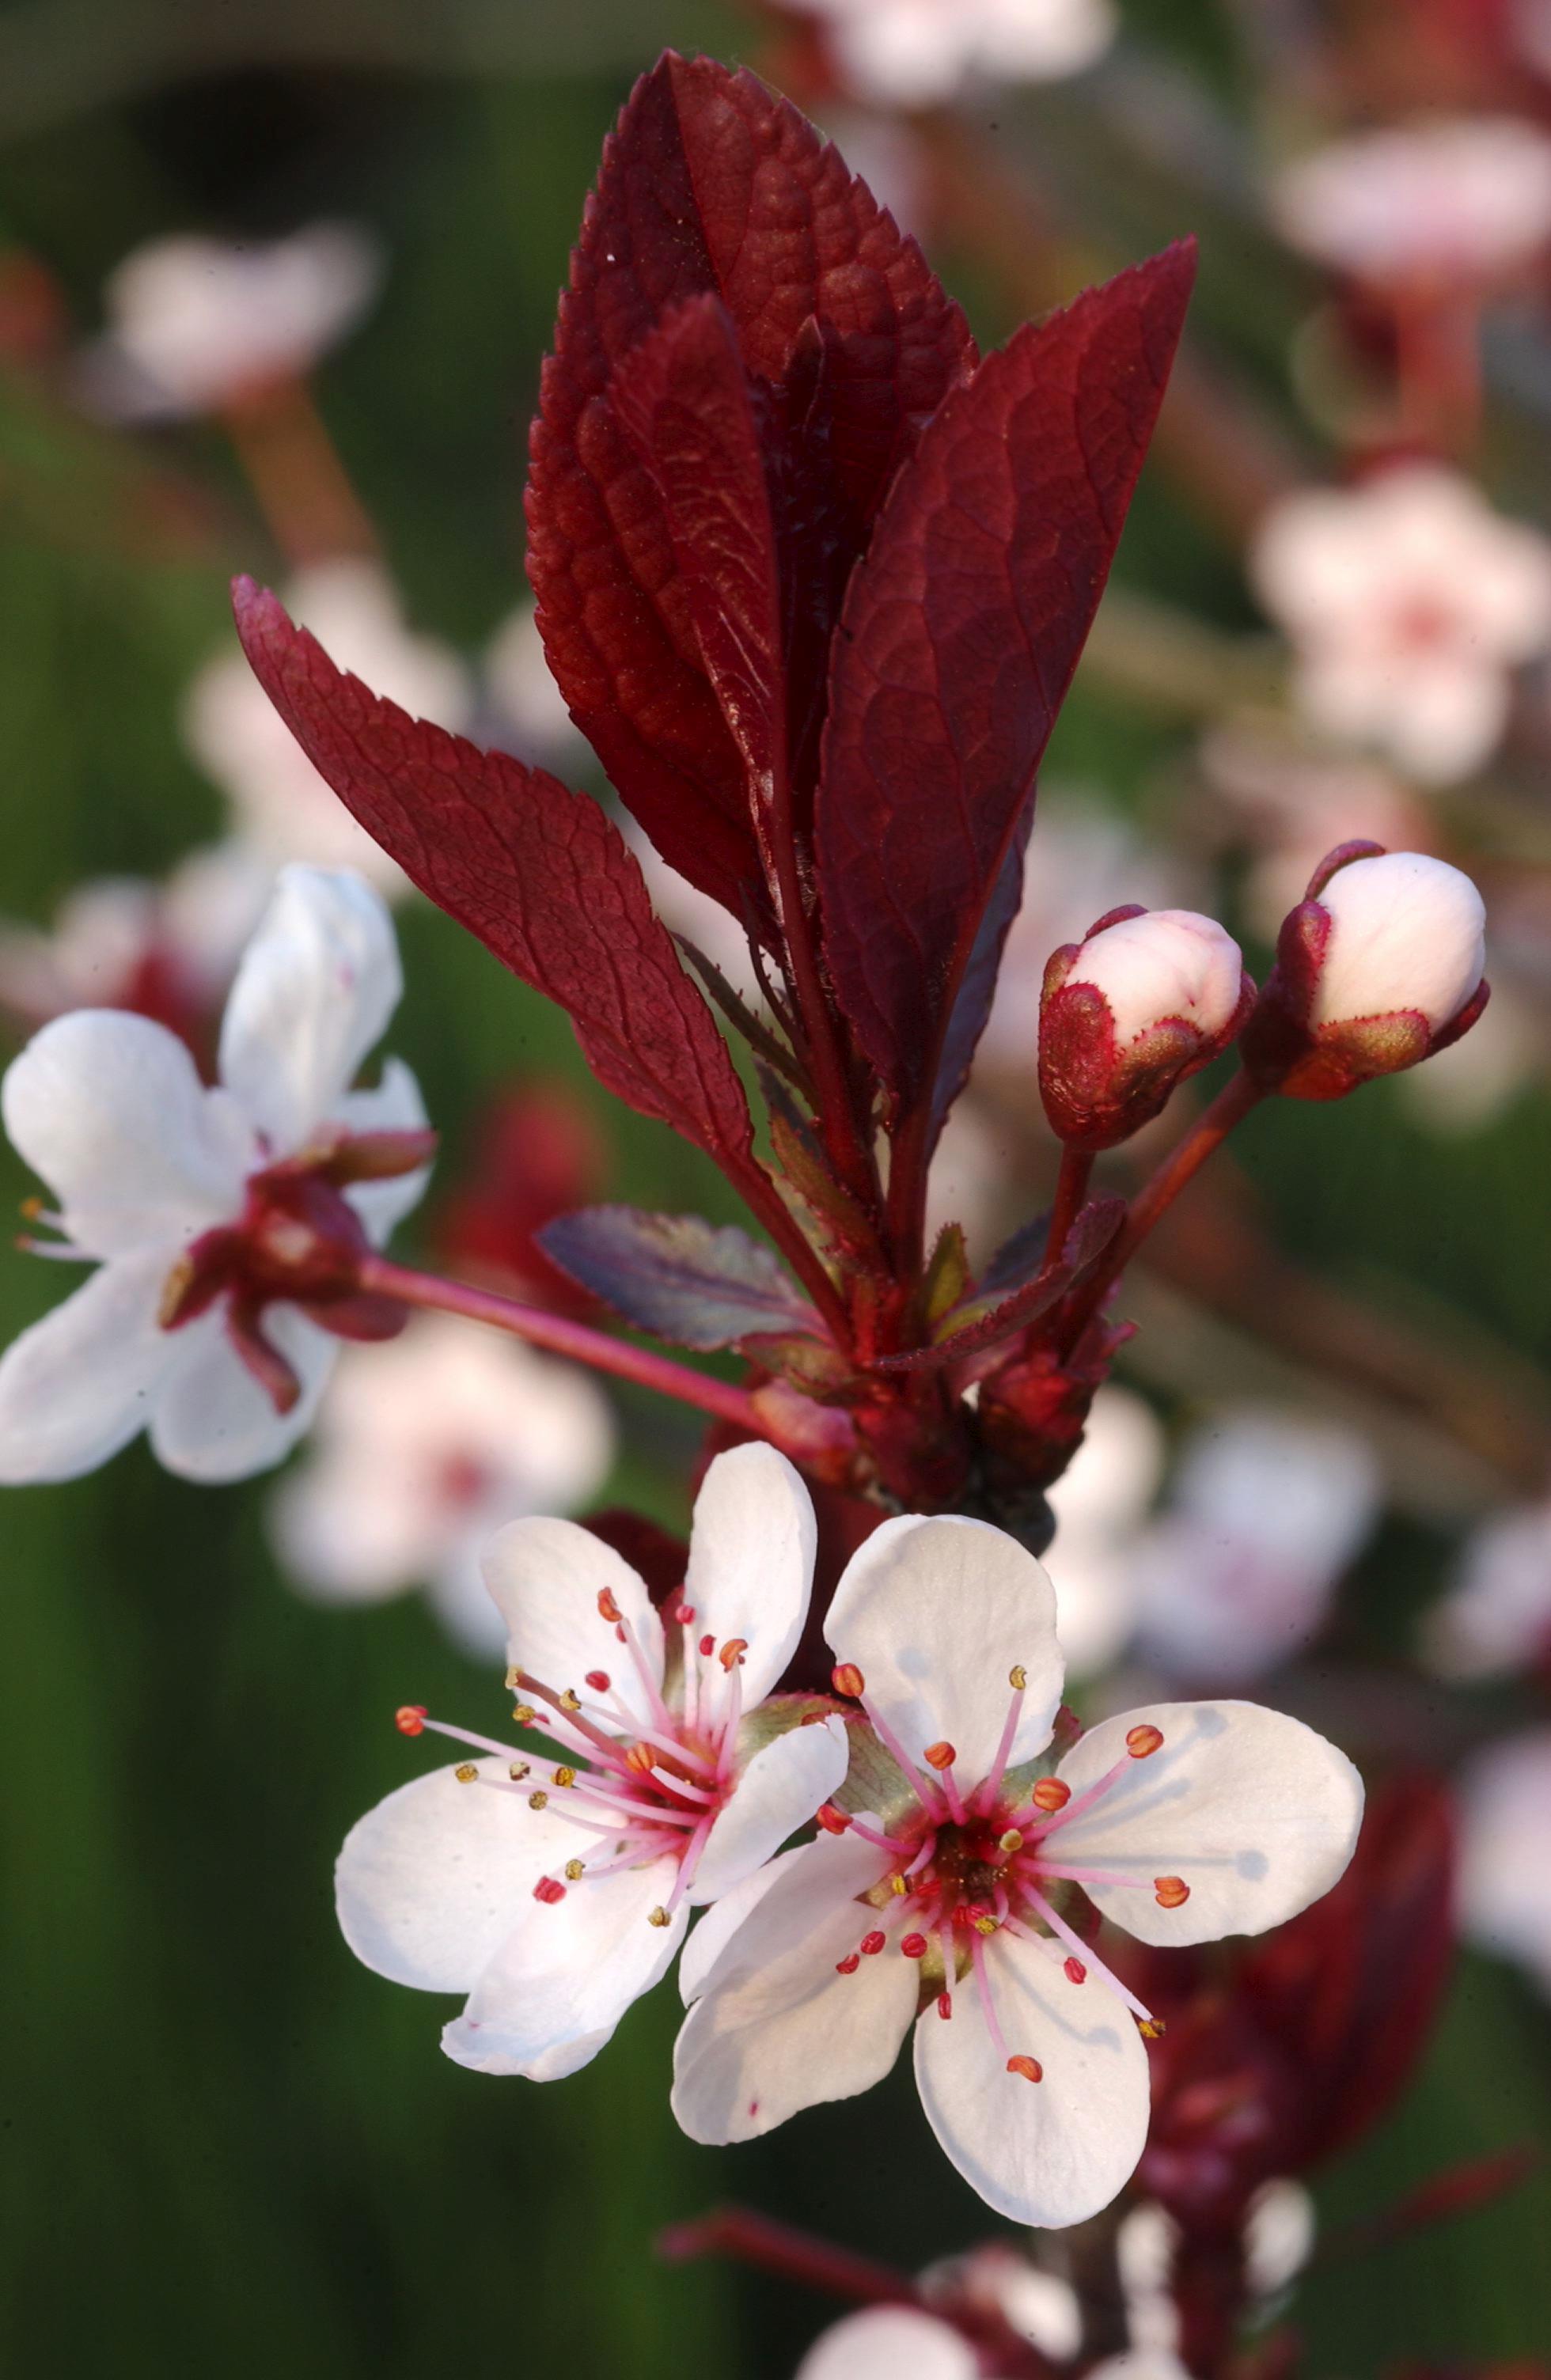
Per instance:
{"type": "Point", "coordinates": [1380, 967]}
{"type": "Point", "coordinates": [1148, 998]}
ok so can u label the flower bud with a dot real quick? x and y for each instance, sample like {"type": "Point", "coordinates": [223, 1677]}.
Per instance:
{"type": "Point", "coordinates": [1378, 967]}
{"type": "Point", "coordinates": [1147, 998]}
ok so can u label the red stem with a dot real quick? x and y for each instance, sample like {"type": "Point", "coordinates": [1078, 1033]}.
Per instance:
{"type": "Point", "coordinates": [1209, 1131]}
{"type": "Point", "coordinates": [793, 2256]}
{"type": "Point", "coordinates": [1071, 1188]}
{"type": "Point", "coordinates": [573, 1338]}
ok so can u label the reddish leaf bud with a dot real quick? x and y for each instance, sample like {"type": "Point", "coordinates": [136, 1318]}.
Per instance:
{"type": "Point", "coordinates": [1148, 998]}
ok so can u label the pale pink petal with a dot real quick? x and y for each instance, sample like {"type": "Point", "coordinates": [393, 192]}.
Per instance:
{"type": "Point", "coordinates": [751, 1553]}
{"type": "Point", "coordinates": [775, 2027]}
{"type": "Point", "coordinates": [936, 1613]}
{"type": "Point", "coordinates": [314, 993]}
{"type": "Point", "coordinates": [889, 2343]}
{"type": "Point", "coordinates": [109, 1110]}
{"type": "Point", "coordinates": [778, 1792]}
{"type": "Point", "coordinates": [210, 1419]}
{"type": "Point", "coordinates": [1050, 2152]}
{"type": "Point", "coordinates": [79, 1385]}
{"type": "Point", "coordinates": [546, 1578]}
{"type": "Point", "coordinates": [431, 1883]}
{"type": "Point", "coordinates": [1251, 1809]}
{"type": "Point", "coordinates": [553, 1992]}
{"type": "Point", "coordinates": [715, 1926]}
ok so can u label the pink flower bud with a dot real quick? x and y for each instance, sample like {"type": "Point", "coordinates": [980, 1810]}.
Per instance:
{"type": "Point", "coordinates": [1378, 967]}
{"type": "Point", "coordinates": [1148, 997]}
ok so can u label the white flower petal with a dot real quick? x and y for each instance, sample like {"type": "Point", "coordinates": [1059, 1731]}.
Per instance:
{"type": "Point", "coordinates": [79, 1385]}
{"type": "Point", "coordinates": [776, 2028]}
{"type": "Point", "coordinates": [716, 1925]}
{"type": "Point", "coordinates": [751, 1551]}
{"type": "Point", "coordinates": [1048, 2153]}
{"type": "Point", "coordinates": [546, 1578]}
{"type": "Point", "coordinates": [431, 1881]}
{"type": "Point", "coordinates": [315, 989]}
{"type": "Point", "coordinates": [889, 2343]}
{"type": "Point", "coordinates": [561, 1981]}
{"type": "Point", "coordinates": [1255, 1812]}
{"type": "Point", "coordinates": [394, 1105]}
{"type": "Point", "coordinates": [212, 1421]}
{"type": "Point", "coordinates": [778, 1792]}
{"type": "Point", "coordinates": [936, 1614]}
{"type": "Point", "coordinates": [109, 1110]}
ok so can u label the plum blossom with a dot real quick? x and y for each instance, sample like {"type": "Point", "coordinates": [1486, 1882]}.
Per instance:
{"type": "Point", "coordinates": [553, 1891]}
{"type": "Point", "coordinates": [1409, 602]}
{"type": "Point", "coordinates": [226, 1223]}
{"type": "Point", "coordinates": [910, 53]}
{"type": "Point", "coordinates": [196, 323]}
{"type": "Point", "coordinates": [1293, 806]}
{"type": "Point", "coordinates": [1099, 1503]}
{"type": "Point", "coordinates": [425, 1447]}
{"type": "Point", "coordinates": [979, 2314]}
{"type": "Point", "coordinates": [1458, 199]}
{"type": "Point", "coordinates": [1146, 999]}
{"type": "Point", "coordinates": [941, 1902]}
{"type": "Point", "coordinates": [1496, 1616]}
{"type": "Point", "coordinates": [1268, 1509]}
{"type": "Point", "coordinates": [1505, 1881]}
{"type": "Point", "coordinates": [280, 807]}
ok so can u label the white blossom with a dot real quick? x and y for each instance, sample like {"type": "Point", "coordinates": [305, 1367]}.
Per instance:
{"type": "Point", "coordinates": [280, 807]}
{"type": "Point", "coordinates": [199, 1324]}
{"type": "Point", "coordinates": [1463, 198]}
{"type": "Point", "coordinates": [1406, 933]}
{"type": "Point", "coordinates": [424, 1447]}
{"type": "Point", "coordinates": [910, 53]}
{"type": "Point", "coordinates": [553, 1891]}
{"type": "Point", "coordinates": [1497, 1615]}
{"type": "Point", "coordinates": [118, 940]}
{"type": "Point", "coordinates": [1408, 601]}
{"type": "Point", "coordinates": [1504, 1878]}
{"type": "Point", "coordinates": [1099, 1503]}
{"type": "Point", "coordinates": [1182, 1821]}
{"type": "Point", "coordinates": [194, 323]}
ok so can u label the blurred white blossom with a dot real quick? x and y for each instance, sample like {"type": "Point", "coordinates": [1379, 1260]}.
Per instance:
{"type": "Point", "coordinates": [1464, 198]}
{"type": "Point", "coordinates": [1100, 1502]}
{"type": "Point", "coordinates": [424, 1447]}
{"type": "Point", "coordinates": [1409, 602]}
{"type": "Point", "coordinates": [1505, 1876]}
{"type": "Point", "coordinates": [1496, 1616]}
{"type": "Point", "coordinates": [280, 807]}
{"type": "Point", "coordinates": [910, 53]}
{"type": "Point", "coordinates": [528, 705]}
{"type": "Point", "coordinates": [193, 324]}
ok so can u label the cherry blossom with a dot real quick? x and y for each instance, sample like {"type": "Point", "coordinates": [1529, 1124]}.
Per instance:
{"type": "Point", "coordinates": [425, 1447]}
{"type": "Point", "coordinates": [555, 1891]}
{"type": "Point", "coordinates": [1099, 1503]}
{"type": "Point", "coordinates": [1505, 1883]}
{"type": "Point", "coordinates": [227, 1223]}
{"type": "Point", "coordinates": [942, 1901]}
{"type": "Point", "coordinates": [280, 807]}
{"type": "Point", "coordinates": [1409, 601]}
{"type": "Point", "coordinates": [909, 52]}
{"type": "Point", "coordinates": [1456, 200]}
{"type": "Point", "coordinates": [1497, 1615]}
{"type": "Point", "coordinates": [1267, 1510]}
{"type": "Point", "coordinates": [195, 323]}
{"type": "Point", "coordinates": [973, 2307]}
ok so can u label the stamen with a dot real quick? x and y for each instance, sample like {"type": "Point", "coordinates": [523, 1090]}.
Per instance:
{"type": "Point", "coordinates": [833, 1821]}
{"type": "Point", "coordinates": [913, 1946]}
{"type": "Point", "coordinates": [1051, 1793]}
{"type": "Point", "coordinates": [945, 2005]}
{"type": "Point", "coordinates": [549, 1889]}
{"type": "Point", "coordinates": [535, 1801]}
{"type": "Point", "coordinates": [1029, 2067]}
{"type": "Point", "coordinates": [1142, 1742]}
{"type": "Point", "coordinates": [940, 1757]}
{"type": "Point", "coordinates": [987, 2004]}
{"type": "Point", "coordinates": [655, 1703]}
{"type": "Point", "coordinates": [607, 1609]}
{"type": "Point", "coordinates": [410, 1718]}
{"type": "Point", "coordinates": [575, 1870]}
{"type": "Point", "coordinates": [1084, 1801]}
{"type": "Point", "coordinates": [465, 1773]}
{"type": "Point", "coordinates": [1011, 1842]}
{"type": "Point", "coordinates": [732, 1652]}
{"type": "Point", "coordinates": [517, 1769]}
{"type": "Point", "coordinates": [891, 1745]}
{"type": "Point", "coordinates": [598, 1679]}
{"type": "Point", "coordinates": [1074, 1971]}
{"type": "Point", "coordinates": [1017, 1678]}
{"type": "Point", "coordinates": [872, 1943]}
{"type": "Point", "coordinates": [682, 1785]}
{"type": "Point", "coordinates": [847, 1680]}
{"type": "Point", "coordinates": [889, 1843]}
{"type": "Point", "coordinates": [848, 1965]}
{"type": "Point", "coordinates": [569, 1706]}
{"type": "Point", "coordinates": [565, 1777]}
{"type": "Point", "coordinates": [657, 1916]}
{"type": "Point", "coordinates": [1089, 1876]}
{"type": "Point", "coordinates": [1081, 1954]}
{"type": "Point", "coordinates": [1170, 1891]}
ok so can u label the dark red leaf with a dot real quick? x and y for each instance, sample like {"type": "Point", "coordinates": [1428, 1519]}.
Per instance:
{"type": "Point", "coordinates": [699, 1284]}
{"type": "Point", "coordinates": [960, 634]}
{"type": "Point", "coordinates": [540, 875]}
{"type": "Point", "coordinates": [686, 407]}
{"type": "Point", "coordinates": [712, 185]}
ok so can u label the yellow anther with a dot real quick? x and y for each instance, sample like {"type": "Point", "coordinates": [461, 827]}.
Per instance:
{"type": "Point", "coordinates": [465, 1773]}
{"type": "Point", "coordinates": [565, 1777]}
{"type": "Point", "coordinates": [1017, 1677]}
{"type": "Point", "coordinates": [575, 1871]}
{"type": "Point", "coordinates": [525, 1714]}
{"type": "Point", "coordinates": [659, 1916]}
{"type": "Point", "coordinates": [987, 1924]}
{"type": "Point", "coordinates": [570, 1700]}
{"type": "Point", "coordinates": [1151, 2028]}
{"type": "Point", "coordinates": [514, 1679]}
{"type": "Point", "coordinates": [538, 1801]}
{"type": "Point", "coordinates": [1011, 1842]}
{"type": "Point", "coordinates": [519, 1770]}
{"type": "Point", "coordinates": [898, 1885]}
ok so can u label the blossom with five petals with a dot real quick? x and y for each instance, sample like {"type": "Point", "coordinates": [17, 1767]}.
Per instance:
{"type": "Point", "coordinates": [225, 1222]}
{"type": "Point", "coordinates": [555, 1890]}
{"type": "Point", "coordinates": [943, 1904]}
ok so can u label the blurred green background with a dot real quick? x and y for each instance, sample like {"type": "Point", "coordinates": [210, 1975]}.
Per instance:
{"type": "Point", "coordinates": [224, 2144]}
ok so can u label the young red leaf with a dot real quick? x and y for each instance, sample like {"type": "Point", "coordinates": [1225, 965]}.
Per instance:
{"type": "Point", "coordinates": [985, 1321]}
{"type": "Point", "coordinates": [540, 875]}
{"type": "Point", "coordinates": [712, 185]}
{"type": "Point", "coordinates": [699, 1284]}
{"type": "Point", "coordinates": [685, 404]}
{"type": "Point", "coordinates": [960, 636]}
